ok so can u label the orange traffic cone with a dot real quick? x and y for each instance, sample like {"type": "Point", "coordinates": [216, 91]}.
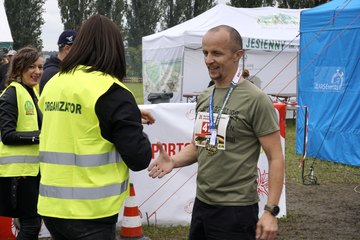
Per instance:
{"type": "Point", "coordinates": [131, 227]}
{"type": "Point", "coordinates": [6, 229]}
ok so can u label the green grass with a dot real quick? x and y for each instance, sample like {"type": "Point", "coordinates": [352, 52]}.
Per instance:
{"type": "Point", "coordinates": [326, 172]}
{"type": "Point", "coordinates": [167, 233]}
{"type": "Point", "coordinates": [137, 90]}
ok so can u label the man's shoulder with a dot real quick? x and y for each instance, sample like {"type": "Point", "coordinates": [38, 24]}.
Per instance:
{"type": "Point", "coordinates": [206, 92]}
{"type": "Point", "coordinates": [53, 62]}
{"type": "Point", "coordinates": [4, 67]}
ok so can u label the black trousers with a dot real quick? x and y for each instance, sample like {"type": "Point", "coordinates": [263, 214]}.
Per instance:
{"type": "Point", "coordinates": [211, 222]}
{"type": "Point", "coordinates": [71, 229]}
{"type": "Point", "coordinates": [29, 228]}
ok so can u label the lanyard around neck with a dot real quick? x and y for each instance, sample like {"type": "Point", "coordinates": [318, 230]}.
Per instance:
{"type": "Point", "coordinates": [234, 82]}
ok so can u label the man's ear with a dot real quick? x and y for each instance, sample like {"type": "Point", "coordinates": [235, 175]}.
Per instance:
{"type": "Point", "coordinates": [67, 48]}
{"type": "Point", "coordinates": [238, 54]}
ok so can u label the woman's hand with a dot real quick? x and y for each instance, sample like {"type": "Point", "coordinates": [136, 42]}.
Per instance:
{"type": "Point", "coordinates": [146, 117]}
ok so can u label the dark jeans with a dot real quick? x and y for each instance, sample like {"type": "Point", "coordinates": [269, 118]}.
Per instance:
{"type": "Point", "coordinates": [211, 222]}
{"type": "Point", "coordinates": [29, 228]}
{"type": "Point", "coordinates": [71, 229]}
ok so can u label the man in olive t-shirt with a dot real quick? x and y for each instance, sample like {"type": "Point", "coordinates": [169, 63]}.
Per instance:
{"type": "Point", "coordinates": [241, 120]}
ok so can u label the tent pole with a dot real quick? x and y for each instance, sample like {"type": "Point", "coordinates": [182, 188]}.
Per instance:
{"type": "Point", "coordinates": [305, 142]}
{"type": "Point", "coordinates": [182, 75]}
{"type": "Point", "coordinates": [243, 60]}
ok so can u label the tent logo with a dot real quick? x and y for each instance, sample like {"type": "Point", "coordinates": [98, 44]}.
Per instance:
{"type": "Point", "coordinates": [278, 19]}
{"type": "Point", "coordinates": [338, 78]}
{"type": "Point", "coordinates": [333, 81]}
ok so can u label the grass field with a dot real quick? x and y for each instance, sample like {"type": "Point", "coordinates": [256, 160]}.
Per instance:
{"type": "Point", "coordinates": [326, 173]}
{"type": "Point", "coordinates": [137, 90]}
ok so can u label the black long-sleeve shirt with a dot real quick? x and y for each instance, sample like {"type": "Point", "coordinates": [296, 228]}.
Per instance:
{"type": "Point", "coordinates": [120, 123]}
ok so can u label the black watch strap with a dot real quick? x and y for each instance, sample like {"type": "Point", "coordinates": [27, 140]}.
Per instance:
{"type": "Point", "coordinates": [273, 209]}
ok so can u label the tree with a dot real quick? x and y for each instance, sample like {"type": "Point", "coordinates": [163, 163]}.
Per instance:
{"type": "Point", "coordinates": [252, 3]}
{"type": "Point", "coordinates": [196, 7]}
{"type": "Point", "coordinates": [74, 12]}
{"type": "Point", "coordinates": [25, 20]}
{"type": "Point", "coordinates": [142, 19]}
{"type": "Point", "coordinates": [173, 12]}
{"type": "Point", "coordinates": [297, 4]}
{"type": "Point", "coordinates": [201, 6]}
{"type": "Point", "coordinates": [104, 7]}
{"type": "Point", "coordinates": [118, 13]}
{"type": "Point", "coordinates": [134, 61]}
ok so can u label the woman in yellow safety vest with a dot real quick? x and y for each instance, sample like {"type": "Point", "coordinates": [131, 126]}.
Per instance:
{"type": "Point", "coordinates": [20, 121]}
{"type": "Point", "coordinates": [91, 135]}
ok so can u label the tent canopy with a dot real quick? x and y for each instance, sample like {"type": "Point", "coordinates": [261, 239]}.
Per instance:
{"type": "Point", "coordinates": [328, 83]}
{"type": "Point", "coordinates": [6, 40]}
{"type": "Point", "coordinates": [173, 61]}
{"type": "Point", "coordinates": [262, 28]}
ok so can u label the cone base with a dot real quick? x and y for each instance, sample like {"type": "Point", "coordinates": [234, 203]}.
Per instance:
{"type": "Point", "coordinates": [132, 232]}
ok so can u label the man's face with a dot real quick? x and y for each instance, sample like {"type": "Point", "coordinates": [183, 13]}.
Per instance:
{"type": "Point", "coordinates": [220, 57]}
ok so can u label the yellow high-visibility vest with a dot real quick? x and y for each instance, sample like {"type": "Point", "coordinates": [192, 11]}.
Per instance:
{"type": "Point", "coordinates": [21, 160]}
{"type": "Point", "coordinates": [82, 174]}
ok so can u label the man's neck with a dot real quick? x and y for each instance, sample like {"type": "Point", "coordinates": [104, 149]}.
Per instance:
{"type": "Point", "coordinates": [225, 83]}
{"type": "Point", "coordinates": [61, 56]}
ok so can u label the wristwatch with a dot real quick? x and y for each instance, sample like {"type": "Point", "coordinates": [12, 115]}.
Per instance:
{"type": "Point", "coordinates": [273, 209]}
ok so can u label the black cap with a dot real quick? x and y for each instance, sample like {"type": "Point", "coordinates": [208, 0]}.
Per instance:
{"type": "Point", "coordinates": [67, 37]}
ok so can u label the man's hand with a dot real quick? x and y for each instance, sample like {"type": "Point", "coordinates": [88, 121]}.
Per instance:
{"type": "Point", "coordinates": [266, 227]}
{"type": "Point", "coordinates": [162, 165]}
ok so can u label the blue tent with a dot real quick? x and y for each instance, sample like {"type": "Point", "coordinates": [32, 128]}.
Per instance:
{"type": "Point", "coordinates": [329, 82]}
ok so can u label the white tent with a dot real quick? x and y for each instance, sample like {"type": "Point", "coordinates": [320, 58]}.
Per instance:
{"type": "Point", "coordinates": [173, 60]}
{"type": "Point", "coordinates": [6, 40]}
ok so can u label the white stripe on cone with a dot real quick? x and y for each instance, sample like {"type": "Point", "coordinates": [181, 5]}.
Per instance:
{"type": "Point", "coordinates": [130, 202]}
{"type": "Point", "coordinates": [131, 222]}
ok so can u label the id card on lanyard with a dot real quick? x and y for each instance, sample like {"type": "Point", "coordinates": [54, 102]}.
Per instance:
{"type": "Point", "coordinates": [212, 138]}
{"type": "Point", "coordinates": [202, 133]}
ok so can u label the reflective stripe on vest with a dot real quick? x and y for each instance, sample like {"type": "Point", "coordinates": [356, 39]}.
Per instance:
{"type": "Point", "coordinates": [83, 193]}
{"type": "Point", "coordinates": [90, 160]}
{"type": "Point", "coordinates": [21, 160]}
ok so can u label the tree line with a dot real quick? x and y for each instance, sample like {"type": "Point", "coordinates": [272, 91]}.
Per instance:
{"type": "Point", "coordinates": [135, 18]}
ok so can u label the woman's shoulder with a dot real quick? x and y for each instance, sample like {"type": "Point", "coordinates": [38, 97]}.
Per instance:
{"type": "Point", "coordinates": [8, 98]}
{"type": "Point", "coordinates": [8, 94]}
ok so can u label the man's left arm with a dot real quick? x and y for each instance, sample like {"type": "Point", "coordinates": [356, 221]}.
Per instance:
{"type": "Point", "coordinates": [267, 225]}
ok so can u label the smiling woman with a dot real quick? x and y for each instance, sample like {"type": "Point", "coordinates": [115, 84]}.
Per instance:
{"type": "Point", "coordinates": [20, 121]}
{"type": "Point", "coordinates": [26, 68]}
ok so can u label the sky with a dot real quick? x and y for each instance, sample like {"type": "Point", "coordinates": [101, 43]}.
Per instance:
{"type": "Point", "coordinates": [53, 27]}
